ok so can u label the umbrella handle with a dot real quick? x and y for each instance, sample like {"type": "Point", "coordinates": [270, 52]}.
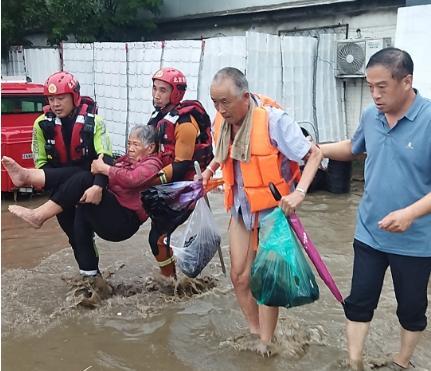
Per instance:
{"type": "Point", "coordinates": [275, 192]}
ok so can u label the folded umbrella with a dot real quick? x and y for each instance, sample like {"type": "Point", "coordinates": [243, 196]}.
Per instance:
{"type": "Point", "coordinates": [310, 249]}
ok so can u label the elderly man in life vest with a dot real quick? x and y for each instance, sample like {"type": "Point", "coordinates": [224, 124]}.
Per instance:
{"type": "Point", "coordinates": [69, 135]}
{"type": "Point", "coordinates": [184, 131]}
{"type": "Point", "coordinates": [255, 140]}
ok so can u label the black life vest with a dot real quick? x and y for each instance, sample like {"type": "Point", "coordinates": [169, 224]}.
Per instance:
{"type": "Point", "coordinates": [81, 143]}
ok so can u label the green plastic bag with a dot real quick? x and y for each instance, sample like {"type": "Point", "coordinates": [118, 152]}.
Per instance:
{"type": "Point", "coordinates": [280, 275]}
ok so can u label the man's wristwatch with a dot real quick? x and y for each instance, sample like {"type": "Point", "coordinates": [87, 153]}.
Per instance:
{"type": "Point", "coordinates": [300, 190]}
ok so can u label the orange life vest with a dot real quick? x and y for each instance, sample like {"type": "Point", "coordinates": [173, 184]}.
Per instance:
{"type": "Point", "coordinates": [264, 165]}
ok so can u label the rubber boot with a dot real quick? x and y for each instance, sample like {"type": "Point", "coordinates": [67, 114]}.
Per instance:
{"type": "Point", "coordinates": [165, 258]}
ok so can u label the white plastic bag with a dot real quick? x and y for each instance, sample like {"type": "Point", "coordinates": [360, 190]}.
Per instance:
{"type": "Point", "coordinates": [196, 241]}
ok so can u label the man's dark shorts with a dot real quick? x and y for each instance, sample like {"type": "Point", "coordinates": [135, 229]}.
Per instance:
{"type": "Point", "coordinates": [410, 276]}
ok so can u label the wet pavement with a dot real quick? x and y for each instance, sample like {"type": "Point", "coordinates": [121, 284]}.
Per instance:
{"type": "Point", "coordinates": [148, 326]}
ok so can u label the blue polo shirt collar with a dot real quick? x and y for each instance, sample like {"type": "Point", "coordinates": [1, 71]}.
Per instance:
{"type": "Point", "coordinates": [413, 110]}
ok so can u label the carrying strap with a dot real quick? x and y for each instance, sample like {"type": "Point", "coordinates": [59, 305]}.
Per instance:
{"type": "Point", "coordinates": [48, 129]}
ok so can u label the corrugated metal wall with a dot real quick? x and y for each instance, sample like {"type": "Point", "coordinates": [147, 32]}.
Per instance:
{"type": "Point", "coordinates": [41, 62]}
{"type": "Point", "coordinates": [264, 71]}
{"type": "Point", "coordinates": [298, 60]}
{"type": "Point", "coordinates": [15, 65]}
{"type": "Point", "coordinates": [36, 63]}
{"type": "Point", "coordinates": [219, 52]}
{"type": "Point", "coordinates": [297, 71]}
{"type": "Point", "coordinates": [328, 93]}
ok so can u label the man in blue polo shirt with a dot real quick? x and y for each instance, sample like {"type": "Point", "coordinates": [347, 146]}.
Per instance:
{"type": "Point", "coordinates": [394, 217]}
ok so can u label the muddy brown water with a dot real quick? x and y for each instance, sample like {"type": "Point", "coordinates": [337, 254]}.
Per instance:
{"type": "Point", "coordinates": [142, 328]}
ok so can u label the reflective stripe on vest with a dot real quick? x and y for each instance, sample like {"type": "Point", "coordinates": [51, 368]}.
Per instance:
{"type": "Point", "coordinates": [77, 150]}
{"type": "Point", "coordinates": [166, 130]}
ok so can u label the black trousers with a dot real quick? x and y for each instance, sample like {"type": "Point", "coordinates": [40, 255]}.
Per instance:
{"type": "Point", "coordinates": [410, 276]}
{"type": "Point", "coordinates": [109, 220]}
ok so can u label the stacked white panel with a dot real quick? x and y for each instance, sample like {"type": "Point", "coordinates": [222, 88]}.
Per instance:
{"type": "Point", "coordinates": [143, 61]}
{"type": "Point", "coordinates": [184, 55]}
{"type": "Point", "coordinates": [110, 80]}
{"type": "Point", "coordinates": [78, 59]}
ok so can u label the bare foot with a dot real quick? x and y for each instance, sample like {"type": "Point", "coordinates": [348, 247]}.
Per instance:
{"type": "Point", "coordinates": [16, 172]}
{"type": "Point", "coordinates": [356, 365]}
{"type": "Point", "coordinates": [28, 215]}
{"type": "Point", "coordinates": [266, 350]}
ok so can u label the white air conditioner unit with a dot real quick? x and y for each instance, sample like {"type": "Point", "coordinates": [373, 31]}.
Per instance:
{"type": "Point", "coordinates": [353, 55]}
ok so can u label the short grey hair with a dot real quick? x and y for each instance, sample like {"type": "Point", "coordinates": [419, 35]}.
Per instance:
{"type": "Point", "coordinates": [235, 75]}
{"type": "Point", "coordinates": [145, 133]}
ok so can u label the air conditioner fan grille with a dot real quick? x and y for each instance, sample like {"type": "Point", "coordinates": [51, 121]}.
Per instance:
{"type": "Point", "coordinates": [351, 58]}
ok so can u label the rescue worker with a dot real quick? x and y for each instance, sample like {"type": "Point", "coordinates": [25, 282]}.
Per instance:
{"type": "Point", "coordinates": [184, 131]}
{"type": "Point", "coordinates": [256, 143]}
{"type": "Point", "coordinates": [67, 137]}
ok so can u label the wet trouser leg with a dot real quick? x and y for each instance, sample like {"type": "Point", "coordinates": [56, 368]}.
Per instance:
{"type": "Point", "coordinates": [66, 220]}
{"type": "Point", "coordinates": [162, 252]}
{"type": "Point", "coordinates": [67, 195]}
{"type": "Point", "coordinates": [410, 275]}
{"type": "Point", "coordinates": [369, 267]}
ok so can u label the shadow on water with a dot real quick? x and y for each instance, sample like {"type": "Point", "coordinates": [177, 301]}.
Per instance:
{"type": "Point", "coordinates": [151, 325]}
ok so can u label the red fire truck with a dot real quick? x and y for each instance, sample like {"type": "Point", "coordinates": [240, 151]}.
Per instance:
{"type": "Point", "coordinates": [21, 104]}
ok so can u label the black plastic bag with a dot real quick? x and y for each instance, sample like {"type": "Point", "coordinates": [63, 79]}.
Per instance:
{"type": "Point", "coordinates": [169, 205]}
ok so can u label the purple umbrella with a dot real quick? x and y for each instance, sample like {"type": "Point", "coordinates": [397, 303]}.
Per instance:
{"type": "Point", "coordinates": [310, 249]}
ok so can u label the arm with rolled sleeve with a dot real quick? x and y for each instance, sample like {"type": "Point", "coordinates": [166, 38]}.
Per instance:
{"type": "Point", "coordinates": [288, 138]}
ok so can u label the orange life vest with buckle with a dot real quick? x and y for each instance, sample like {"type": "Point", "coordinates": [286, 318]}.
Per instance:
{"type": "Point", "coordinates": [264, 165]}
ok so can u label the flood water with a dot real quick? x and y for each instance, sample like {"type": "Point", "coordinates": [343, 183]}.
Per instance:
{"type": "Point", "coordinates": [144, 327]}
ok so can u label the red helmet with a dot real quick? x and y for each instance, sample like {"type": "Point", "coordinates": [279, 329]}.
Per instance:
{"type": "Point", "coordinates": [176, 79]}
{"type": "Point", "coordinates": [63, 83]}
